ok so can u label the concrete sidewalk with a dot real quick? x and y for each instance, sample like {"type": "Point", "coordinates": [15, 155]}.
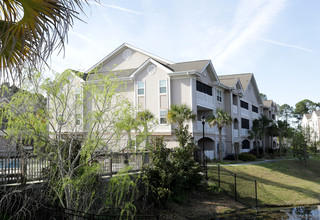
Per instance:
{"type": "Point", "coordinates": [252, 162]}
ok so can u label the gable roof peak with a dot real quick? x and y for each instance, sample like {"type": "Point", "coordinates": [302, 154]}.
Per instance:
{"type": "Point", "coordinates": [126, 45]}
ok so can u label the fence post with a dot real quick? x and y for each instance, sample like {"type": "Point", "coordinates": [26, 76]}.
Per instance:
{"type": "Point", "coordinates": [126, 159]}
{"type": "Point", "coordinates": [235, 187]}
{"type": "Point", "coordinates": [110, 164]}
{"type": "Point", "coordinates": [219, 175]}
{"type": "Point", "coordinates": [23, 170]}
{"type": "Point", "coordinates": [255, 185]}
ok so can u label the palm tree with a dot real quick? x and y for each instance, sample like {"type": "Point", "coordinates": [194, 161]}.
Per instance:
{"type": "Point", "coordinates": [179, 114]}
{"type": "Point", "coordinates": [221, 119]}
{"type": "Point", "coordinates": [255, 133]}
{"type": "Point", "coordinates": [272, 131]}
{"type": "Point", "coordinates": [145, 117]}
{"type": "Point", "coordinates": [283, 128]}
{"type": "Point", "coordinates": [31, 30]}
{"type": "Point", "coordinates": [264, 122]}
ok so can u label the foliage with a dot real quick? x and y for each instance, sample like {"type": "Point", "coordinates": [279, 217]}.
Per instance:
{"type": "Point", "coordinates": [172, 172]}
{"type": "Point", "coordinates": [264, 123]}
{"type": "Point", "coordinates": [263, 96]}
{"type": "Point", "coordinates": [286, 111]}
{"type": "Point", "coordinates": [70, 132]}
{"type": "Point", "coordinates": [159, 175]}
{"type": "Point", "coordinates": [258, 153]}
{"type": "Point", "coordinates": [179, 114]}
{"type": "Point", "coordinates": [256, 133]}
{"type": "Point", "coordinates": [299, 145]}
{"type": "Point", "coordinates": [221, 119]}
{"type": "Point", "coordinates": [122, 192]}
{"type": "Point", "coordinates": [146, 120]}
{"type": "Point", "coordinates": [305, 106]}
{"type": "Point", "coordinates": [31, 30]}
{"type": "Point", "coordinates": [247, 157]}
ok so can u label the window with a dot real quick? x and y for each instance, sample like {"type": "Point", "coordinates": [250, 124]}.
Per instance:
{"type": "Point", "coordinates": [163, 86]}
{"type": "Point", "coordinates": [245, 144]}
{"type": "Point", "coordinates": [255, 109]}
{"type": "Point", "coordinates": [141, 88]}
{"type": "Point", "coordinates": [244, 104]}
{"type": "Point", "coordinates": [219, 95]}
{"type": "Point", "coordinates": [201, 87]}
{"type": "Point", "coordinates": [163, 116]}
{"type": "Point", "coordinates": [244, 123]}
{"type": "Point", "coordinates": [78, 117]}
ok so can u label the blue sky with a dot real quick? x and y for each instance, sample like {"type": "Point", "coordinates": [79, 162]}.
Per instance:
{"type": "Point", "coordinates": [277, 40]}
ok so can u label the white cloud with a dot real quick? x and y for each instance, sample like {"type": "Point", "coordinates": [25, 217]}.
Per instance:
{"type": "Point", "coordinates": [118, 8]}
{"type": "Point", "coordinates": [286, 45]}
{"type": "Point", "coordinates": [88, 40]}
{"type": "Point", "coordinates": [251, 19]}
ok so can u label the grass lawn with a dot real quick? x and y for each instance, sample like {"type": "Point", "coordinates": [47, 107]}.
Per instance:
{"type": "Point", "coordinates": [282, 183]}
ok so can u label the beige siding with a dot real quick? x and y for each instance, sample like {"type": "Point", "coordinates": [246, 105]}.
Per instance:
{"type": "Point", "coordinates": [181, 91]}
{"type": "Point", "coordinates": [119, 63]}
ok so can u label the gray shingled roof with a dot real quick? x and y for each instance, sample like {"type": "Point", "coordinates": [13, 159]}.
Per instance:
{"type": "Point", "coordinates": [198, 66]}
{"type": "Point", "coordinates": [228, 81]}
{"type": "Point", "coordinates": [317, 113]}
{"type": "Point", "coordinates": [267, 103]}
{"type": "Point", "coordinates": [118, 73]}
{"type": "Point", "coordinates": [308, 116]}
{"type": "Point", "coordinates": [244, 78]}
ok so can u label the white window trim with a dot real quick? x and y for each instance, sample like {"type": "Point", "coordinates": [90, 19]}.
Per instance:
{"type": "Point", "coordinates": [165, 93]}
{"type": "Point", "coordinates": [160, 117]}
{"type": "Point", "coordinates": [144, 88]}
{"type": "Point", "coordinates": [218, 90]}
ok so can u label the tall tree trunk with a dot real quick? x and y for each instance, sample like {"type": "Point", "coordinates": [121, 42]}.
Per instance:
{"type": "Point", "coordinates": [220, 144]}
{"type": "Point", "coordinates": [257, 147]}
{"type": "Point", "coordinates": [280, 144]}
{"type": "Point", "coordinates": [147, 137]}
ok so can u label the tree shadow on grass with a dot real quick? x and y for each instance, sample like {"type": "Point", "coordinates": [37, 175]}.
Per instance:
{"type": "Point", "coordinates": [267, 196]}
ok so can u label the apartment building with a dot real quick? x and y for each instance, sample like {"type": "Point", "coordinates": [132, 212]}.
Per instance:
{"type": "Point", "coordinates": [311, 124]}
{"type": "Point", "coordinates": [155, 84]}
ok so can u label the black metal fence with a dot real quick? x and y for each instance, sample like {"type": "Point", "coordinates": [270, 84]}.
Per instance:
{"type": "Point", "coordinates": [244, 189]}
{"type": "Point", "coordinates": [22, 169]}
{"type": "Point", "coordinates": [241, 188]}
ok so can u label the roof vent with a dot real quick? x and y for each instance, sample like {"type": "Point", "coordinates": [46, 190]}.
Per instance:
{"type": "Point", "coordinates": [126, 54]}
{"type": "Point", "coordinates": [151, 69]}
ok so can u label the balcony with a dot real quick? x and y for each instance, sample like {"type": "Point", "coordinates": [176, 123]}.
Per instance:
{"type": "Point", "coordinates": [235, 133]}
{"type": "Point", "coordinates": [244, 132]}
{"type": "Point", "coordinates": [204, 100]}
{"type": "Point", "coordinates": [255, 115]}
{"type": "Point", "coordinates": [244, 112]}
{"type": "Point", "coordinates": [235, 109]}
{"type": "Point", "coordinates": [207, 128]}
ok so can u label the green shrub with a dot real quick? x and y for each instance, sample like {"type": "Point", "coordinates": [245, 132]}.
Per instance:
{"type": "Point", "coordinates": [247, 157]}
{"type": "Point", "coordinates": [171, 173]}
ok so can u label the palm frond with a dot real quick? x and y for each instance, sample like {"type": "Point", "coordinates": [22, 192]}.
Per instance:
{"type": "Point", "coordinates": [30, 30]}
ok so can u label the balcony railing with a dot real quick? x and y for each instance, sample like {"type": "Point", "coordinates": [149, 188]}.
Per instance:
{"type": "Point", "coordinates": [235, 109]}
{"type": "Point", "coordinates": [204, 99]}
{"type": "Point", "coordinates": [244, 111]}
{"type": "Point", "coordinates": [207, 128]}
{"type": "Point", "coordinates": [244, 132]}
{"type": "Point", "coordinates": [235, 133]}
